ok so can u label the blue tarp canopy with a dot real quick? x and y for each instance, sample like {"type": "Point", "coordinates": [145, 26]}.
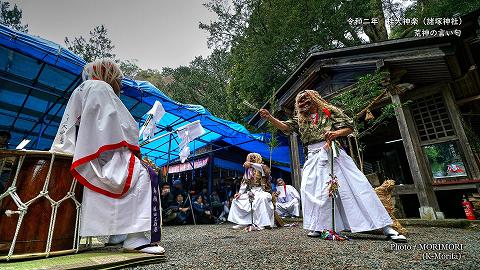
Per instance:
{"type": "Point", "coordinates": [177, 115]}
{"type": "Point", "coordinates": [37, 77]}
{"type": "Point", "coordinates": [228, 165]}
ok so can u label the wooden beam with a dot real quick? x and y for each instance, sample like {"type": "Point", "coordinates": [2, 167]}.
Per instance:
{"type": "Point", "coordinates": [454, 113]}
{"type": "Point", "coordinates": [454, 187]}
{"type": "Point", "coordinates": [416, 161]}
{"type": "Point", "coordinates": [295, 161]}
{"type": "Point", "coordinates": [404, 189]}
{"type": "Point", "coordinates": [467, 100]}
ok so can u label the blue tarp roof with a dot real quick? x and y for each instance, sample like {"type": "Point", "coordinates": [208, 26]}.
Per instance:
{"type": "Point", "coordinates": [228, 165]}
{"type": "Point", "coordinates": [178, 115]}
{"type": "Point", "coordinates": [37, 77]}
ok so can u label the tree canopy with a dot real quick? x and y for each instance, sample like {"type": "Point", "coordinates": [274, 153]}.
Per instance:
{"type": "Point", "coordinates": [266, 40]}
{"type": "Point", "coordinates": [97, 45]}
{"type": "Point", "coordinates": [12, 17]}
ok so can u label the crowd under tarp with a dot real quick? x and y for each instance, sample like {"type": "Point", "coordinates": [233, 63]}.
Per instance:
{"type": "Point", "coordinates": [37, 77]}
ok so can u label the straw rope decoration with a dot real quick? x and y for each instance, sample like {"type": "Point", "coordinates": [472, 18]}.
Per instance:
{"type": "Point", "coordinates": [249, 105]}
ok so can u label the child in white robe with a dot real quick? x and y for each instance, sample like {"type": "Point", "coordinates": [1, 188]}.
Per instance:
{"type": "Point", "coordinates": [255, 187]}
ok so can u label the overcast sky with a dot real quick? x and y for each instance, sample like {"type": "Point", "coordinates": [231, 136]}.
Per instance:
{"type": "Point", "coordinates": [159, 33]}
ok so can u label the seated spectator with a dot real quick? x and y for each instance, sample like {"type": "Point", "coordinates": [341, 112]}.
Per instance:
{"type": "Point", "coordinates": [226, 210]}
{"type": "Point", "coordinates": [202, 212]}
{"type": "Point", "coordinates": [222, 190]}
{"type": "Point", "coordinates": [193, 189]}
{"type": "Point", "coordinates": [167, 200]}
{"type": "Point", "coordinates": [288, 200]}
{"type": "Point", "coordinates": [216, 204]}
{"type": "Point", "coordinates": [181, 209]}
{"type": "Point", "coordinates": [178, 189]}
{"type": "Point", "coordinates": [204, 194]}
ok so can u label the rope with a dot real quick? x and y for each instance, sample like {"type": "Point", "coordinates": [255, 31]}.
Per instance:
{"type": "Point", "coordinates": [23, 207]}
{"type": "Point", "coordinates": [51, 227]}
{"type": "Point", "coordinates": [17, 230]}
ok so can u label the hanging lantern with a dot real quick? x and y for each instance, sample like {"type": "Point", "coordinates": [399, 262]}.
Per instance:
{"type": "Point", "coordinates": [369, 115]}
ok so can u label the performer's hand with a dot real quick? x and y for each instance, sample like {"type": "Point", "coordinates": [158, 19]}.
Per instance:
{"type": "Point", "coordinates": [236, 196]}
{"type": "Point", "coordinates": [247, 164]}
{"type": "Point", "coordinates": [331, 135]}
{"type": "Point", "coordinates": [265, 114]}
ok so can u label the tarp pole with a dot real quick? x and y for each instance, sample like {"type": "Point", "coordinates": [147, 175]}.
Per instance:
{"type": "Point", "coordinates": [210, 173]}
{"type": "Point", "coordinates": [168, 159]}
{"type": "Point", "coordinates": [193, 163]}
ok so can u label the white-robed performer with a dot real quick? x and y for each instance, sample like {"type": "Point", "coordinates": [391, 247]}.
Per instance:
{"type": "Point", "coordinates": [288, 200]}
{"type": "Point", "coordinates": [357, 207]}
{"type": "Point", "coordinates": [120, 198]}
{"type": "Point", "coordinates": [255, 183]}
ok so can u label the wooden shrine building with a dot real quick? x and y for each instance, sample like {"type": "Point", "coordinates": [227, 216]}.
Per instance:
{"type": "Point", "coordinates": [431, 148]}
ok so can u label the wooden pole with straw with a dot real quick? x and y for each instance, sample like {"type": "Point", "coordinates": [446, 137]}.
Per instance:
{"type": "Point", "coordinates": [332, 177]}
{"type": "Point", "coordinates": [332, 192]}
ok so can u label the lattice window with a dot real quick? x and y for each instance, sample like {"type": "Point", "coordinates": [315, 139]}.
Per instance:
{"type": "Point", "coordinates": [431, 118]}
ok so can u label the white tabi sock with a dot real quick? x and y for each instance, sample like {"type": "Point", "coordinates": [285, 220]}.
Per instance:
{"type": "Point", "coordinates": [135, 240]}
{"type": "Point", "coordinates": [388, 230]}
{"type": "Point", "coordinates": [117, 239]}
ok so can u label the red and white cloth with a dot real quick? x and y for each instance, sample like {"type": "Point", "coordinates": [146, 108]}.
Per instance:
{"type": "Point", "coordinates": [103, 137]}
{"type": "Point", "coordinates": [288, 201]}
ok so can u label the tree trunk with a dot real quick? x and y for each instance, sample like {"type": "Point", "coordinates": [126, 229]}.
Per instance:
{"type": "Point", "coordinates": [376, 32]}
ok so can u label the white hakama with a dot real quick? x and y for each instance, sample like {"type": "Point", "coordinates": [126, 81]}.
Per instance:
{"type": "Point", "coordinates": [128, 214]}
{"type": "Point", "coordinates": [240, 211]}
{"type": "Point", "coordinates": [288, 202]}
{"type": "Point", "coordinates": [118, 194]}
{"type": "Point", "coordinates": [357, 207]}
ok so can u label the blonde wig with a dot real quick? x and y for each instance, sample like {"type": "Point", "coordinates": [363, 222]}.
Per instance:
{"type": "Point", "coordinates": [254, 158]}
{"type": "Point", "coordinates": [315, 99]}
{"type": "Point", "coordinates": [104, 69]}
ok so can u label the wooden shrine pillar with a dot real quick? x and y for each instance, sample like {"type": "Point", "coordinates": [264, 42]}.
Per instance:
{"type": "Point", "coordinates": [295, 161]}
{"type": "Point", "coordinates": [429, 208]}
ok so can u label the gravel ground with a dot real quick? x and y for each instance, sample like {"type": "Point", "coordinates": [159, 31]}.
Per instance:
{"type": "Point", "coordinates": [219, 247]}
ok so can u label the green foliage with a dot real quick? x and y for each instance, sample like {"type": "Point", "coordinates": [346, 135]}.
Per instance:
{"type": "Point", "coordinates": [268, 39]}
{"type": "Point", "coordinates": [203, 82]}
{"type": "Point", "coordinates": [98, 45]}
{"type": "Point", "coordinates": [152, 75]}
{"type": "Point", "coordinates": [12, 17]}
{"type": "Point", "coordinates": [231, 23]}
{"type": "Point", "coordinates": [273, 141]}
{"type": "Point", "coordinates": [130, 68]}
{"type": "Point", "coordinates": [358, 97]}
{"type": "Point", "coordinates": [355, 99]}
{"type": "Point", "coordinates": [434, 158]}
